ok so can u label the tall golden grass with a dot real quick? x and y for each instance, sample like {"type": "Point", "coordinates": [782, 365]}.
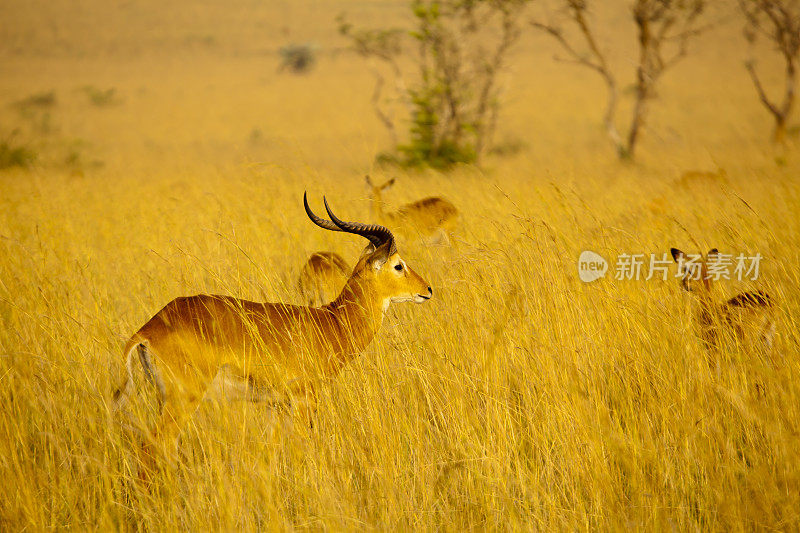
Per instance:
{"type": "Point", "coordinates": [518, 398]}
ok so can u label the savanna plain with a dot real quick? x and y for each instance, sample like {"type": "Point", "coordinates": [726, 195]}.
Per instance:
{"type": "Point", "coordinates": [172, 157]}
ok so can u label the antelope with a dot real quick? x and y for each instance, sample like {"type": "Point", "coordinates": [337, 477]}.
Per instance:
{"type": "Point", "coordinates": [321, 278]}
{"type": "Point", "coordinates": [432, 219]}
{"type": "Point", "coordinates": [235, 349]}
{"type": "Point", "coordinates": [744, 315]}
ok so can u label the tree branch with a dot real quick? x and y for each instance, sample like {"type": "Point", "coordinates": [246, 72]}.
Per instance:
{"type": "Point", "coordinates": [749, 65]}
{"type": "Point", "coordinates": [577, 10]}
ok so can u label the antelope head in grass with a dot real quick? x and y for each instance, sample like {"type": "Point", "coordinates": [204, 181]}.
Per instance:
{"type": "Point", "coordinates": [747, 318]}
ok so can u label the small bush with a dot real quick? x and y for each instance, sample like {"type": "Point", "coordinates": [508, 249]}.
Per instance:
{"type": "Point", "coordinates": [102, 97]}
{"type": "Point", "coordinates": [298, 58]}
{"type": "Point", "coordinates": [36, 109]}
{"type": "Point", "coordinates": [38, 100]}
{"type": "Point", "coordinates": [15, 155]}
{"type": "Point", "coordinates": [508, 147]}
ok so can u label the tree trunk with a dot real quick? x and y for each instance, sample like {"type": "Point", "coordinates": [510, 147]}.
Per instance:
{"type": "Point", "coordinates": [779, 133]}
{"type": "Point", "coordinates": [644, 76]}
{"type": "Point", "coordinates": [781, 118]}
{"type": "Point", "coordinates": [636, 123]}
{"type": "Point", "coordinates": [376, 106]}
{"type": "Point", "coordinates": [611, 112]}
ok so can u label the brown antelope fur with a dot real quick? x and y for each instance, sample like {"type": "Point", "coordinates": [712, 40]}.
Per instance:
{"type": "Point", "coordinates": [432, 219]}
{"type": "Point", "coordinates": [694, 181]}
{"type": "Point", "coordinates": [748, 316]}
{"type": "Point", "coordinates": [237, 349]}
{"type": "Point", "coordinates": [693, 178]}
{"type": "Point", "coordinates": [322, 277]}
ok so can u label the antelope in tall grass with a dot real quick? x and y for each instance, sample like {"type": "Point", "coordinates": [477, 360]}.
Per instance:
{"type": "Point", "coordinates": [322, 277]}
{"type": "Point", "coordinates": [237, 349]}
{"type": "Point", "coordinates": [748, 317]}
{"type": "Point", "coordinates": [432, 219]}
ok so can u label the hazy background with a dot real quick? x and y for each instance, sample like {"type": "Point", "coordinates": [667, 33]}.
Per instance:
{"type": "Point", "coordinates": [198, 84]}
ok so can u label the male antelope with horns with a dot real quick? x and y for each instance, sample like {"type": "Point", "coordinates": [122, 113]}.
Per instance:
{"type": "Point", "coordinates": [274, 352]}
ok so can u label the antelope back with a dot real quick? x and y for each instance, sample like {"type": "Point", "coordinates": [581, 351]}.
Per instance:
{"type": "Point", "coordinates": [322, 278]}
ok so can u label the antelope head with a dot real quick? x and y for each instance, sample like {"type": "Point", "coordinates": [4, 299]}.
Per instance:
{"type": "Point", "coordinates": [695, 276]}
{"type": "Point", "coordinates": [380, 271]}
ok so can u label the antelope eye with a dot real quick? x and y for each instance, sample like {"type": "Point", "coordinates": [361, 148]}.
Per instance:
{"type": "Point", "coordinates": [398, 266]}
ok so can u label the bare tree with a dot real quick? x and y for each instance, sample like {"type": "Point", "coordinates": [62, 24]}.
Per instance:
{"type": "Point", "coordinates": [382, 46]}
{"type": "Point", "coordinates": [490, 60]}
{"type": "Point", "coordinates": [595, 59]}
{"type": "Point", "coordinates": [664, 29]}
{"type": "Point", "coordinates": [779, 22]}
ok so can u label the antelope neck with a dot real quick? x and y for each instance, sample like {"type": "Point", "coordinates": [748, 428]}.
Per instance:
{"type": "Point", "coordinates": [359, 313]}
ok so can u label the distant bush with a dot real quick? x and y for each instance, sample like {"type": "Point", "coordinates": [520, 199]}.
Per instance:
{"type": "Point", "coordinates": [297, 58]}
{"type": "Point", "coordinates": [508, 147]}
{"type": "Point", "coordinates": [75, 155]}
{"type": "Point", "coordinates": [15, 155]}
{"type": "Point", "coordinates": [37, 109]}
{"type": "Point", "coordinates": [40, 100]}
{"type": "Point", "coordinates": [102, 97]}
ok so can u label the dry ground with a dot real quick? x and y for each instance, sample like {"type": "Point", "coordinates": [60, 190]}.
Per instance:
{"type": "Point", "coordinates": [519, 397]}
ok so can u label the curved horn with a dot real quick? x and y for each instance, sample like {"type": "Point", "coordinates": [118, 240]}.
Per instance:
{"type": "Point", "coordinates": [321, 222]}
{"type": "Point", "coordinates": [375, 233]}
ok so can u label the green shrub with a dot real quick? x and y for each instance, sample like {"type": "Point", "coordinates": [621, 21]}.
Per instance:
{"type": "Point", "coordinates": [298, 58]}
{"type": "Point", "coordinates": [102, 97]}
{"type": "Point", "coordinates": [15, 155]}
{"type": "Point", "coordinates": [457, 48]}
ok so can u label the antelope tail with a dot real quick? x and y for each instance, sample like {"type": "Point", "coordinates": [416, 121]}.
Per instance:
{"type": "Point", "coordinates": [151, 373]}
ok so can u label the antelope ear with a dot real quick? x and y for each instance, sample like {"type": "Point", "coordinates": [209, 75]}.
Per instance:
{"type": "Point", "coordinates": [677, 255]}
{"type": "Point", "coordinates": [368, 250]}
{"type": "Point", "coordinates": [388, 184]}
{"type": "Point", "coordinates": [369, 181]}
{"type": "Point", "coordinates": [379, 256]}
